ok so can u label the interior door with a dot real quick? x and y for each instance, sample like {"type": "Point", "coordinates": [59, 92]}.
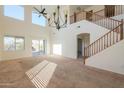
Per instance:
{"type": "Point", "coordinates": [79, 47]}
{"type": "Point", "coordinates": [109, 10]}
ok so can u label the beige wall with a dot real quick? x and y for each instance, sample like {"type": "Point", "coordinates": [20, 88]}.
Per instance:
{"type": "Point", "coordinates": [67, 37]}
{"type": "Point", "coordinates": [111, 59]}
{"type": "Point", "coordinates": [10, 26]}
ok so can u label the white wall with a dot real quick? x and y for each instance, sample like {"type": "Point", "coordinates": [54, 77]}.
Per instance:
{"type": "Point", "coordinates": [13, 27]}
{"type": "Point", "coordinates": [67, 37]}
{"type": "Point", "coordinates": [111, 59]}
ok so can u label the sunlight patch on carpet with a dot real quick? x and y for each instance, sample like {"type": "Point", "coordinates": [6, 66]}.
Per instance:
{"type": "Point", "coordinates": [41, 74]}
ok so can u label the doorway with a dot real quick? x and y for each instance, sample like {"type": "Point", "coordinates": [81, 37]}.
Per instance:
{"type": "Point", "coordinates": [38, 47]}
{"type": "Point", "coordinates": [79, 48]}
{"type": "Point", "coordinates": [83, 40]}
{"type": "Point", "coordinates": [109, 10]}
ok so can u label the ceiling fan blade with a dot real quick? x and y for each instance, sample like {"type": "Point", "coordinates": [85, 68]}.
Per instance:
{"type": "Point", "coordinates": [36, 9]}
{"type": "Point", "coordinates": [45, 16]}
{"type": "Point", "coordinates": [35, 12]}
{"type": "Point", "coordinates": [44, 13]}
{"type": "Point", "coordinates": [39, 16]}
{"type": "Point", "coordinates": [43, 10]}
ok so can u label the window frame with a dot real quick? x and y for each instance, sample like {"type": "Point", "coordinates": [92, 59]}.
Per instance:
{"type": "Point", "coordinates": [39, 45]}
{"type": "Point", "coordinates": [38, 17]}
{"type": "Point", "coordinates": [15, 49]}
{"type": "Point", "coordinates": [16, 18]}
{"type": "Point", "coordinates": [23, 43]}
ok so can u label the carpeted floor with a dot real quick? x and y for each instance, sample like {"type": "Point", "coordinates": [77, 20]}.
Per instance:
{"type": "Point", "coordinates": [69, 73]}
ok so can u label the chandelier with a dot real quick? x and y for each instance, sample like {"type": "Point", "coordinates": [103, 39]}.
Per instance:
{"type": "Point", "coordinates": [57, 20]}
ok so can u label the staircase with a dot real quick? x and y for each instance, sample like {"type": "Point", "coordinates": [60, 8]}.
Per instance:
{"type": "Point", "coordinates": [107, 40]}
{"type": "Point", "coordinates": [112, 37]}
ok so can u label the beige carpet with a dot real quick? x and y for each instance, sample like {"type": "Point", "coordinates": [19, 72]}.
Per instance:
{"type": "Point", "coordinates": [69, 73]}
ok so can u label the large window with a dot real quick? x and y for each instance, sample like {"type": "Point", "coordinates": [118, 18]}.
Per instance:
{"type": "Point", "coordinates": [38, 20]}
{"type": "Point", "coordinates": [19, 43]}
{"type": "Point", "coordinates": [35, 45]}
{"type": "Point", "coordinates": [9, 43]}
{"type": "Point", "coordinates": [13, 43]}
{"type": "Point", "coordinates": [38, 47]}
{"type": "Point", "coordinates": [14, 11]}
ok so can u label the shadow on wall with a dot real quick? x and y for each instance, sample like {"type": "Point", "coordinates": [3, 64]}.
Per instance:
{"type": "Point", "coordinates": [57, 49]}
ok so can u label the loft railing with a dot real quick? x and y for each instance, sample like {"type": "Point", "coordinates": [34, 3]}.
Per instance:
{"type": "Point", "coordinates": [112, 10]}
{"type": "Point", "coordinates": [105, 41]}
{"type": "Point", "coordinates": [102, 17]}
{"type": "Point", "coordinates": [108, 23]}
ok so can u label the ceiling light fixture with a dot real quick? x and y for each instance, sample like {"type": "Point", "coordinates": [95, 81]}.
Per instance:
{"type": "Point", "coordinates": [57, 20]}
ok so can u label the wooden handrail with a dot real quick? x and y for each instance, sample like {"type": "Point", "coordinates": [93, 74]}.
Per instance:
{"type": "Point", "coordinates": [107, 40]}
{"type": "Point", "coordinates": [105, 34]}
{"type": "Point", "coordinates": [104, 17]}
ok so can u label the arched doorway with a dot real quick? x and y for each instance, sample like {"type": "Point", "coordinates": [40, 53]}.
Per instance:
{"type": "Point", "coordinates": [83, 40]}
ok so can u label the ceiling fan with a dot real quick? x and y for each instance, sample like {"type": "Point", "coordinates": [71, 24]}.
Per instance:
{"type": "Point", "coordinates": [40, 12]}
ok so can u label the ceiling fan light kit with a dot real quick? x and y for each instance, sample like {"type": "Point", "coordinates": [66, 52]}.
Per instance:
{"type": "Point", "coordinates": [56, 20]}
